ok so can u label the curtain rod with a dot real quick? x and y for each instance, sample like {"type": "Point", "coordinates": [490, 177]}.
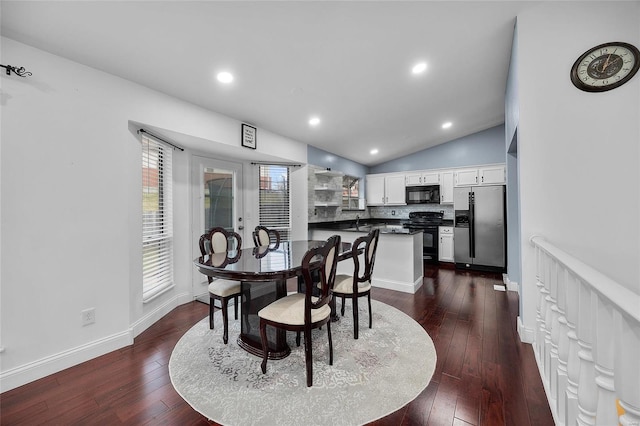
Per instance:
{"type": "Point", "coordinates": [271, 163]}
{"type": "Point", "coordinates": [160, 139]}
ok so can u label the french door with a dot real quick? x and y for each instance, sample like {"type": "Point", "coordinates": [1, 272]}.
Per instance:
{"type": "Point", "coordinates": [217, 201]}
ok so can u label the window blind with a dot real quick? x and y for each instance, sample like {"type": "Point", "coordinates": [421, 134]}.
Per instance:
{"type": "Point", "coordinates": [275, 201]}
{"type": "Point", "coordinates": [157, 218]}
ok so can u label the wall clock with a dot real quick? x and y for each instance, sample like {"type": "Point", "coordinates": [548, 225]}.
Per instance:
{"type": "Point", "coordinates": [605, 67]}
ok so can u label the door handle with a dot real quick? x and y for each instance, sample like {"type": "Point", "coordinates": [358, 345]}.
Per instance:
{"type": "Point", "coordinates": [240, 227]}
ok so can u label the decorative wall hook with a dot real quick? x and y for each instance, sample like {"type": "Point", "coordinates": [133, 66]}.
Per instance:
{"type": "Point", "coordinates": [18, 71]}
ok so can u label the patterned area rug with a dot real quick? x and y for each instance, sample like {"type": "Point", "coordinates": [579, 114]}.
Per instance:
{"type": "Point", "coordinates": [386, 368]}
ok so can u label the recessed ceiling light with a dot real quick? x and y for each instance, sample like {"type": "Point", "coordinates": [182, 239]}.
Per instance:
{"type": "Point", "coordinates": [419, 68]}
{"type": "Point", "coordinates": [374, 151]}
{"type": "Point", "coordinates": [447, 125]}
{"type": "Point", "coordinates": [225, 77]}
{"type": "Point", "coordinates": [314, 121]}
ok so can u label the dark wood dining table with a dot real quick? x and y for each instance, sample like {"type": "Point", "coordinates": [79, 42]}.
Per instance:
{"type": "Point", "coordinates": [263, 273]}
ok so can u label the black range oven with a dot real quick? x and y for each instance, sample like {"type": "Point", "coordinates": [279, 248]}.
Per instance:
{"type": "Point", "coordinates": [428, 223]}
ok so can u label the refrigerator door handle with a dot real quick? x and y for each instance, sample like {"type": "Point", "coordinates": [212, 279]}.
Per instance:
{"type": "Point", "coordinates": [472, 242]}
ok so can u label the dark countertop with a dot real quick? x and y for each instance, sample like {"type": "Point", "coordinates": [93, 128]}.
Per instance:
{"type": "Point", "coordinates": [386, 226]}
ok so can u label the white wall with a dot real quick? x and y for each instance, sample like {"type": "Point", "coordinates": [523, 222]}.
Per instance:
{"type": "Point", "coordinates": [71, 208]}
{"type": "Point", "coordinates": [579, 152]}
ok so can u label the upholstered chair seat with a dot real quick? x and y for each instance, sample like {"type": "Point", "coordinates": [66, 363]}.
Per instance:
{"type": "Point", "coordinates": [290, 310]}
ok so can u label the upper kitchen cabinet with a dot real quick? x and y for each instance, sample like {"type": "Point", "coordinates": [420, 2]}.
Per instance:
{"type": "Point", "coordinates": [495, 175]}
{"type": "Point", "coordinates": [446, 187]}
{"type": "Point", "coordinates": [489, 175]}
{"type": "Point", "coordinates": [385, 190]}
{"type": "Point", "coordinates": [422, 178]}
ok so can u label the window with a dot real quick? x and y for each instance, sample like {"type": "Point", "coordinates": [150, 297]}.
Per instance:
{"type": "Point", "coordinates": [350, 192]}
{"type": "Point", "coordinates": [274, 199]}
{"type": "Point", "coordinates": [157, 219]}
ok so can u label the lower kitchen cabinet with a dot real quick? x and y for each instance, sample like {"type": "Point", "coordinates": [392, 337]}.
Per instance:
{"type": "Point", "coordinates": [445, 247]}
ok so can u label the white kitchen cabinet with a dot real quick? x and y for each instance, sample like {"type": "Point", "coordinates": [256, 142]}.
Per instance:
{"type": "Point", "coordinates": [422, 178]}
{"type": "Point", "coordinates": [481, 175]}
{"type": "Point", "coordinates": [466, 177]}
{"type": "Point", "coordinates": [495, 175]}
{"type": "Point", "coordinates": [445, 247]}
{"type": "Point", "coordinates": [385, 190]}
{"type": "Point", "coordinates": [446, 187]}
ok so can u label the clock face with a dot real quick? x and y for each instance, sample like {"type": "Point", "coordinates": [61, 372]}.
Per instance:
{"type": "Point", "coordinates": [605, 67]}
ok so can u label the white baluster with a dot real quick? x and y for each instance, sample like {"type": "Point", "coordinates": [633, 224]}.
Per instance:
{"type": "Point", "coordinates": [587, 394]}
{"type": "Point", "coordinates": [548, 320]}
{"type": "Point", "coordinates": [627, 373]}
{"type": "Point", "coordinates": [563, 345]}
{"type": "Point", "coordinates": [555, 331]}
{"type": "Point", "coordinates": [573, 362]}
{"type": "Point", "coordinates": [543, 309]}
{"type": "Point", "coordinates": [539, 338]}
{"type": "Point", "coordinates": [606, 413]}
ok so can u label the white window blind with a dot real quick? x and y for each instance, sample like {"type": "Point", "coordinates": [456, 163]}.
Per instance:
{"type": "Point", "coordinates": [275, 202]}
{"type": "Point", "coordinates": [157, 218]}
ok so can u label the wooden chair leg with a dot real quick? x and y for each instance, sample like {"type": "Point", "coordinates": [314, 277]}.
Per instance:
{"type": "Point", "coordinates": [235, 304]}
{"type": "Point", "coordinates": [211, 300]}
{"type": "Point", "coordinates": [308, 359]}
{"type": "Point", "coordinates": [297, 338]}
{"type": "Point", "coordinates": [354, 305]}
{"type": "Point", "coordinates": [330, 343]}
{"type": "Point", "coordinates": [265, 345]}
{"type": "Point", "coordinates": [370, 317]}
{"type": "Point", "coordinates": [225, 319]}
{"type": "Point", "coordinates": [342, 309]}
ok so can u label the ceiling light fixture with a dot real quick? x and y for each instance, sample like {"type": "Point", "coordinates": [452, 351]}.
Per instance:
{"type": "Point", "coordinates": [374, 151]}
{"type": "Point", "coordinates": [447, 125]}
{"type": "Point", "coordinates": [419, 68]}
{"type": "Point", "coordinates": [314, 121]}
{"type": "Point", "coordinates": [225, 77]}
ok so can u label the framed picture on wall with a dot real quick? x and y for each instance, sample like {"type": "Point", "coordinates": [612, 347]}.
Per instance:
{"type": "Point", "coordinates": [249, 136]}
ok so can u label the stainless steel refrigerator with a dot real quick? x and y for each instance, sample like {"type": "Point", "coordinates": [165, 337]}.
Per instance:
{"type": "Point", "coordinates": [479, 236]}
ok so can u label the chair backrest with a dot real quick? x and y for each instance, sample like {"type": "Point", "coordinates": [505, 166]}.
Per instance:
{"type": "Point", "coordinates": [368, 244]}
{"type": "Point", "coordinates": [319, 272]}
{"type": "Point", "coordinates": [263, 236]}
{"type": "Point", "coordinates": [218, 240]}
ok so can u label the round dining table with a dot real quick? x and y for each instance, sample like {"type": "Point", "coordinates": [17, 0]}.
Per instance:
{"type": "Point", "coordinates": [263, 272]}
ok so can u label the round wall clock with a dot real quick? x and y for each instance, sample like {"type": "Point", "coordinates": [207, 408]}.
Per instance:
{"type": "Point", "coordinates": [605, 67]}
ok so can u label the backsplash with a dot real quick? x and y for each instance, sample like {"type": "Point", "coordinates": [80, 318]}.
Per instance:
{"type": "Point", "coordinates": [402, 212]}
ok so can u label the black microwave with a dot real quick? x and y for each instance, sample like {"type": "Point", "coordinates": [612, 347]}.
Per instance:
{"type": "Point", "coordinates": [429, 194]}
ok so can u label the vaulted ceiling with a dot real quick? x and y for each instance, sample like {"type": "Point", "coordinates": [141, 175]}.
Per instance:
{"type": "Point", "coordinates": [347, 63]}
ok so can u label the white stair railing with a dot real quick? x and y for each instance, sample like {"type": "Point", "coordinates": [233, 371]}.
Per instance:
{"type": "Point", "coordinates": [587, 341]}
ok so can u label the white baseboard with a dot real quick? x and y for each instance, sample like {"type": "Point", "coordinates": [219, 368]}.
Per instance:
{"type": "Point", "coordinates": [398, 285]}
{"type": "Point", "coordinates": [43, 367]}
{"type": "Point", "coordinates": [511, 285]}
{"type": "Point", "coordinates": [527, 335]}
{"type": "Point", "coordinates": [152, 317]}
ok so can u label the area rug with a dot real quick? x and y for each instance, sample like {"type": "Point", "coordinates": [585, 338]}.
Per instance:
{"type": "Point", "coordinates": [382, 371]}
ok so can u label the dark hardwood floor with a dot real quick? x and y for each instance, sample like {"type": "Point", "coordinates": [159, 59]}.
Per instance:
{"type": "Point", "coordinates": [484, 375]}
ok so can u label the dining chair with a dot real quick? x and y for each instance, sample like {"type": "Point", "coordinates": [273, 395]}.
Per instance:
{"type": "Point", "coordinates": [263, 236]}
{"type": "Point", "coordinates": [303, 312]}
{"type": "Point", "coordinates": [359, 284]}
{"type": "Point", "coordinates": [218, 240]}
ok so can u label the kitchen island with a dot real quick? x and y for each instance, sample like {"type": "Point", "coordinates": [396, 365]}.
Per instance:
{"type": "Point", "coordinates": [398, 265]}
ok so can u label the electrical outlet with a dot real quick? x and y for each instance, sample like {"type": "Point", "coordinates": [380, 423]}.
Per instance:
{"type": "Point", "coordinates": [88, 316]}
